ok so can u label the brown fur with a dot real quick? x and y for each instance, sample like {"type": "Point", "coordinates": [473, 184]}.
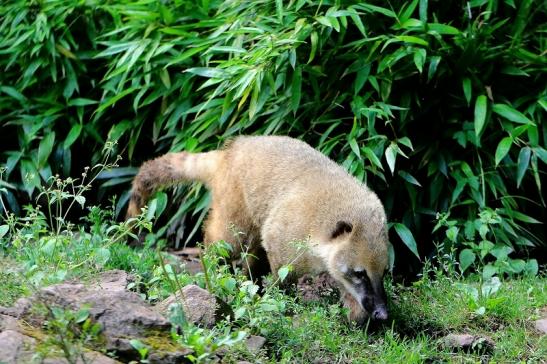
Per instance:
{"type": "Point", "coordinates": [281, 194]}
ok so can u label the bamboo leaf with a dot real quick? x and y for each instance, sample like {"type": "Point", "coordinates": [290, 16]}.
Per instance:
{"type": "Point", "coordinates": [355, 148]}
{"type": "Point", "coordinates": [186, 55]}
{"type": "Point", "coordinates": [443, 29]}
{"type": "Point", "coordinates": [372, 157]}
{"type": "Point", "coordinates": [112, 100]}
{"type": "Point", "coordinates": [391, 155]}
{"type": "Point", "coordinates": [466, 83]}
{"type": "Point", "coordinates": [419, 58]}
{"type": "Point", "coordinates": [65, 52]}
{"type": "Point", "coordinates": [13, 93]}
{"type": "Point", "coordinates": [409, 178]}
{"type": "Point", "coordinates": [361, 78]}
{"type": "Point", "coordinates": [523, 163]}
{"type": "Point", "coordinates": [376, 9]}
{"type": "Point", "coordinates": [423, 11]}
{"type": "Point", "coordinates": [296, 89]}
{"type": "Point", "coordinates": [207, 72]}
{"type": "Point", "coordinates": [511, 114]}
{"type": "Point", "coordinates": [279, 10]}
{"type": "Point", "coordinates": [73, 134]}
{"type": "Point", "coordinates": [412, 39]}
{"type": "Point", "coordinates": [502, 149]}
{"type": "Point", "coordinates": [433, 64]}
{"type": "Point", "coordinates": [45, 148]}
{"type": "Point", "coordinates": [480, 114]}
{"type": "Point", "coordinates": [81, 102]}
{"type": "Point", "coordinates": [314, 39]}
{"type": "Point", "coordinates": [406, 142]}
{"type": "Point", "coordinates": [408, 239]}
{"type": "Point", "coordinates": [165, 79]}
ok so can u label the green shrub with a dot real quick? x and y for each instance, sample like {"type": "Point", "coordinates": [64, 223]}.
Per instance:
{"type": "Point", "coordinates": [438, 106]}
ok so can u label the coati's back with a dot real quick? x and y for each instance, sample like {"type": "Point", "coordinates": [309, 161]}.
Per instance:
{"type": "Point", "coordinates": [268, 168]}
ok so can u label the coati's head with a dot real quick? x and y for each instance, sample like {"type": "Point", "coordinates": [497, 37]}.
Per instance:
{"type": "Point", "coordinates": [357, 258]}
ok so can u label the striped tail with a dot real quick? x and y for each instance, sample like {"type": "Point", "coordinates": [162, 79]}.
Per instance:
{"type": "Point", "coordinates": [168, 170]}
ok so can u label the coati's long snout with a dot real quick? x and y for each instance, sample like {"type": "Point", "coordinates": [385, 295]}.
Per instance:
{"type": "Point", "coordinates": [279, 195]}
{"type": "Point", "coordinates": [375, 301]}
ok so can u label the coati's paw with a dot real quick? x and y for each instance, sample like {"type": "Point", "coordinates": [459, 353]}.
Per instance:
{"type": "Point", "coordinates": [356, 313]}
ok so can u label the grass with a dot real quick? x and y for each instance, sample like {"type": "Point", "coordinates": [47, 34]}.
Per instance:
{"type": "Point", "coordinates": [317, 332]}
{"type": "Point", "coordinates": [36, 251]}
{"type": "Point", "coordinates": [422, 315]}
{"type": "Point", "coordinates": [10, 282]}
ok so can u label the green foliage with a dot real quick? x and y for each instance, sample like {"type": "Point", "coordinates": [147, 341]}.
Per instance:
{"type": "Point", "coordinates": [11, 286]}
{"type": "Point", "coordinates": [140, 347]}
{"type": "Point", "coordinates": [68, 332]}
{"type": "Point", "coordinates": [52, 249]}
{"type": "Point", "coordinates": [485, 241]}
{"type": "Point", "coordinates": [440, 108]}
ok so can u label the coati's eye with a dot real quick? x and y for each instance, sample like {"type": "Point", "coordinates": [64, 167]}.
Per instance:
{"type": "Point", "coordinates": [360, 277]}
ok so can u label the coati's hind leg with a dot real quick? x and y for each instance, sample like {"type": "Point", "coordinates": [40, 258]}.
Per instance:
{"type": "Point", "coordinates": [247, 253]}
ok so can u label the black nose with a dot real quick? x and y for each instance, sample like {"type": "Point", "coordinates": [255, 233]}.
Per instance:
{"type": "Point", "coordinates": [379, 313]}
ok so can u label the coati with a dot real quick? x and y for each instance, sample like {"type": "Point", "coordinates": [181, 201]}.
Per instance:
{"type": "Point", "coordinates": [279, 191]}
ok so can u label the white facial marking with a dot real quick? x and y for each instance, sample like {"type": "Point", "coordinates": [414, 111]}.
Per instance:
{"type": "Point", "coordinates": [353, 291]}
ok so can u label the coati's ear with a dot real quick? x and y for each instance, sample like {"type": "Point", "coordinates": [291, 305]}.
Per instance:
{"type": "Point", "coordinates": [342, 227]}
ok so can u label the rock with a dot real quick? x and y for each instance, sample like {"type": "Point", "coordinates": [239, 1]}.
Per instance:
{"type": "Point", "coordinates": [16, 347]}
{"type": "Point", "coordinates": [541, 326]}
{"type": "Point", "coordinates": [90, 357]}
{"type": "Point", "coordinates": [123, 315]}
{"type": "Point", "coordinates": [252, 343]}
{"type": "Point", "coordinates": [189, 259]}
{"type": "Point", "coordinates": [169, 357]}
{"type": "Point", "coordinates": [9, 311]}
{"type": "Point", "coordinates": [192, 266]}
{"type": "Point", "coordinates": [458, 340]}
{"type": "Point", "coordinates": [255, 343]}
{"type": "Point", "coordinates": [20, 307]}
{"type": "Point", "coordinates": [315, 288]}
{"type": "Point", "coordinates": [113, 280]}
{"type": "Point", "coordinates": [8, 323]}
{"type": "Point", "coordinates": [468, 342]}
{"type": "Point", "coordinates": [193, 251]}
{"type": "Point", "coordinates": [199, 305]}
